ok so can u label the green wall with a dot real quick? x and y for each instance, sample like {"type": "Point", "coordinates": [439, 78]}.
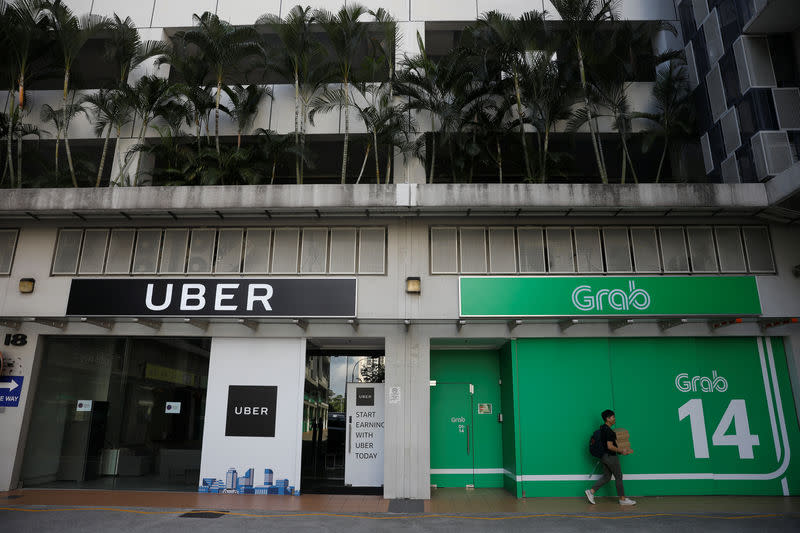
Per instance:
{"type": "Point", "coordinates": [562, 385]}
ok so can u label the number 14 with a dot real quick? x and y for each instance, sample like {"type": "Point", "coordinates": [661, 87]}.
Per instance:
{"type": "Point", "coordinates": [736, 413]}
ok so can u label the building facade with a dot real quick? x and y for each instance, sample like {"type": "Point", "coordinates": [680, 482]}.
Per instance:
{"type": "Point", "coordinates": [395, 338]}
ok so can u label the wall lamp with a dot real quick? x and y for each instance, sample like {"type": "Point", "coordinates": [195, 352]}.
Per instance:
{"type": "Point", "coordinates": [26, 285]}
{"type": "Point", "coordinates": [413, 285]}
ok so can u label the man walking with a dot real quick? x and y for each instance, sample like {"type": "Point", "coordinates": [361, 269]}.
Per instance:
{"type": "Point", "coordinates": [610, 460]}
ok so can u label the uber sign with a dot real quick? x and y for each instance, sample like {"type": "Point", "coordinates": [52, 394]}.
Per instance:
{"type": "Point", "coordinates": [281, 297]}
{"type": "Point", "coordinates": [251, 411]}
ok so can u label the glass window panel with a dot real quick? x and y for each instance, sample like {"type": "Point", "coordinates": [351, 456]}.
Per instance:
{"type": "Point", "coordinates": [560, 257]}
{"type": "Point", "coordinates": [730, 249]}
{"type": "Point", "coordinates": [120, 250]}
{"type": "Point", "coordinates": [444, 250]}
{"type": "Point", "coordinates": [314, 251]}
{"type": "Point", "coordinates": [617, 249]}
{"type": "Point", "coordinates": [145, 258]}
{"type": "Point", "coordinates": [68, 249]}
{"type": "Point", "coordinates": [502, 252]}
{"type": "Point", "coordinates": [588, 250]}
{"type": "Point", "coordinates": [284, 255]}
{"type": "Point", "coordinates": [8, 244]}
{"type": "Point", "coordinates": [229, 251]}
{"type": "Point", "coordinates": [645, 249]}
{"type": "Point", "coordinates": [759, 250]}
{"type": "Point", "coordinates": [93, 254]}
{"type": "Point", "coordinates": [201, 251]}
{"type": "Point", "coordinates": [701, 248]}
{"type": "Point", "coordinates": [343, 251]}
{"type": "Point", "coordinates": [256, 251]}
{"type": "Point", "coordinates": [372, 251]}
{"type": "Point", "coordinates": [173, 252]}
{"type": "Point", "coordinates": [531, 250]}
{"type": "Point", "coordinates": [673, 250]}
{"type": "Point", "coordinates": [473, 250]}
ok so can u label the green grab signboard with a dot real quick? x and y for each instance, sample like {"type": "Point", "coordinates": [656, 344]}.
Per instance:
{"type": "Point", "coordinates": [705, 415]}
{"type": "Point", "coordinates": [608, 296]}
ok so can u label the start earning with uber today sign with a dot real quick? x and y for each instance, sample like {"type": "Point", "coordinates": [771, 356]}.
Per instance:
{"type": "Point", "coordinates": [239, 297]}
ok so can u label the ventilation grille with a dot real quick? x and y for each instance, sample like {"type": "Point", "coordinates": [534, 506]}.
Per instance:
{"type": "Point", "coordinates": [787, 107]}
{"type": "Point", "coordinates": [730, 131]}
{"type": "Point", "coordinates": [729, 248]}
{"type": "Point", "coordinates": [645, 249]}
{"type": "Point", "coordinates": [201, 251]}
{"type": "Point", "coordinates": [588, 251]}
{"type": "Point", "coordinates": [753, 62]}
{"type": "Point", "coordinates": [256, 251]}
{"type": "Point", "coordinates": [120, 250]}
{"type": "Point", "coordinates": [701, 248]}
{"type": "Point", "coordinates": [716, 93]}
{"type": "Point", "coordinates": [8, 244]}
{"type": "Point", "coordinates": [730, 170]}
{"type": "Point", "coordinates": [473, 250]}
{"type": "Point", "coordinates": [314, 253]}
{"type": "Point", "coordinates": [708, 161]}
{"type": "Point", "coordinates": [759, 250]}
{"type": "Point", "coordinates": [145, 258]}
{"type": "Point", "coordinates": [673, 250]}
{"type": "Point", "coordinates": [713, 38]}
{"type": "Point", "coordinates": [444, 250]}
{"type": "Point", "coordinates": [372, 251]}
{"type": "Point", "coordinates": [502, 259]}
{"type": "Point", "coordinates": [694, 78]}
{"type": "Point", "coordinates": [618, 252]}
{"type": "Point", "coordinates": [284, 255]}
{"type": "Point", "coordinates": [229, 251]}
{"type": "Point", "coordinates": [173, 254]}
{"type": "Point", "coordinates": [343, 251]}
{"type": "Point", "coordinates": [700, 11]}
{"type": "Point", "coordinates": [559, 250]}
{"type": "Point", "coordinates": [531, 250]}
{"type": "Point", "coordinates": [771, 153]}
{"type": "Point", "coordinates": [93, 255]}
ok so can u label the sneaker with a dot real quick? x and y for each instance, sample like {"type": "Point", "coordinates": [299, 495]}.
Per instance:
{"type": "Point", "coordinates": [589, 496]}
{"type": "Point", "coordinates": [627, 501]}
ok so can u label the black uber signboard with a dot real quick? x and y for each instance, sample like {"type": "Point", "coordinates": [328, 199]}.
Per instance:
{"type": "Point", "coordinates": [251, 411]}
{"type": "Point", "coordinates": [365, 396]}
{"type": "Point", "coordinates": [238, 297]}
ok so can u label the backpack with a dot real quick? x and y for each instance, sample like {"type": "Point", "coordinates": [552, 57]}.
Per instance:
{"type": "Point", "coordinates": [596, 445]}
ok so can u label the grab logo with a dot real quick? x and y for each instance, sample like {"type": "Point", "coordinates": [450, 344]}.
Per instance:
{"type": "Point", "coordinates": [706, 384]}
{"type": "Point", "coordinates": [586, 300]}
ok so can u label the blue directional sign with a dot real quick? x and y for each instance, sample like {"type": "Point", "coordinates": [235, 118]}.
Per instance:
{"type": "Point", "coordinates": [10, 390]}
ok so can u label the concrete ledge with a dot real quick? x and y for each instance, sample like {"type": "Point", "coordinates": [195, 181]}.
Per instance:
{"type": "Point", "coordinates": [293, 199]}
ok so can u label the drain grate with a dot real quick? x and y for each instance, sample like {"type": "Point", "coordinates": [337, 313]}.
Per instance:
{"type": "Point", "coordinates": [13, 497]}
{"type": "Point", "coordinates": [406, 506]}
{"type": "Point", "coordinates": [203, 514]}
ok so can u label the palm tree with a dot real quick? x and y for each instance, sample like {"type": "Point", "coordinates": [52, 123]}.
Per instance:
{"type": "Point", "coordinates": [145, 98]}
{"type": "Point", "coordinates": [56, 117]}
{"type": "Point", "coordinates": [347, 35]}
{"type": "Point", "coordinates": [111, 111]}
{"type": "Point", "coordinates": [192, 69]}
{"type": "Point", "coordinates": [511, 42]}
{"type": "Point", "coordinates": [24, 41]}
{"type": "Point", "coordinates": [674, 111]}
{"type": "Point", "coordinates": [386, 47]}
{"type": "Point", "coordinates": [125, 48]}
{"type": "Point", "coordinates": [71, 33]}
{"type": "Point", "coordinates": [295, 62]}
{"type": "Point", "coordinates": [581, 18]}
{"type": "Point", "coordinates": [245, 102]}
{"type": "Point", "coordinates": [438, 88]}
{"type": "Point", "coordinates": [223, 46]}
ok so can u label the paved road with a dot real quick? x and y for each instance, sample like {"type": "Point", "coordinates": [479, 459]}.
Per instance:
{"type": "Point", "coordinates": [46, 519]}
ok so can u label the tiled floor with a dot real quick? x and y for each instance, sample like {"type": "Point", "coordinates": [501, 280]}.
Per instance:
{"type": "Point", "coordinates": [443, 501]}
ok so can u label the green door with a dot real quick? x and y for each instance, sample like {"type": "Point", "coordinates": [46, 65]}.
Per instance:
{"type": "Point", "coordinates": [466, 432]}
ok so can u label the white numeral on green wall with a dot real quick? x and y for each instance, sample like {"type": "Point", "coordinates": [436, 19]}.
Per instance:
{"type": "Point", "coordinates": [736, 413]}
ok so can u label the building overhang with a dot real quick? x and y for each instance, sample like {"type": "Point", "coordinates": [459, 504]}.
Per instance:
{"type": "Point", "coordinates": [285, 201]}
